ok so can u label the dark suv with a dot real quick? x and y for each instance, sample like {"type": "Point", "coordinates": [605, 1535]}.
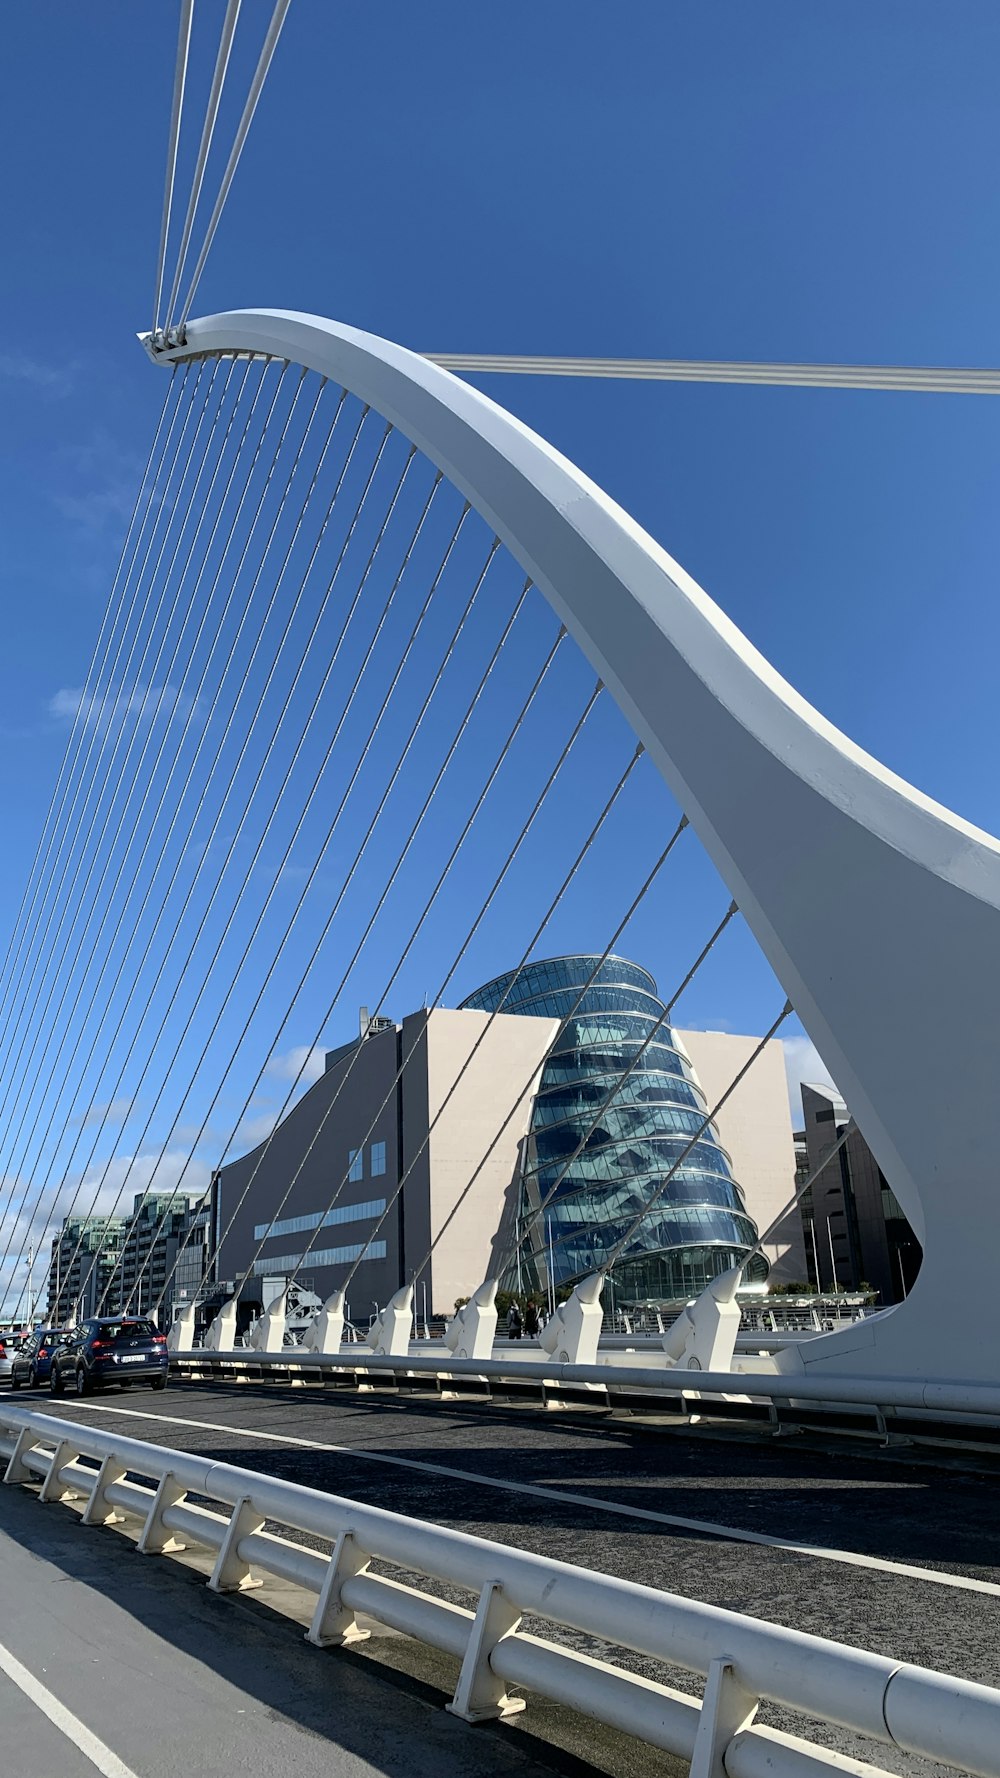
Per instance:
{"type": "Point", "coordinates": [119, 1349]}
{"type": "Point", "coordinates": [31, 1362]}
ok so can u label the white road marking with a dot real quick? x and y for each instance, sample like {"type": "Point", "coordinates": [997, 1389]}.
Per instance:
{"type": "Point", "coordinates": [708, 1527]}
{"type": "Point", "coordinates": [69, 1725]}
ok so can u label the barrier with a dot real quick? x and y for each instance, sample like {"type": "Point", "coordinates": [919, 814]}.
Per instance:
{"type": "Point", "coordinates": [744, 1661]}
{"type": "Point", "coordinates": [960, 1414]}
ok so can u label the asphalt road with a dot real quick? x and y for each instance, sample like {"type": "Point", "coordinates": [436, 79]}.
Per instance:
{"type": "Point", "coordinates": [902, 1558]}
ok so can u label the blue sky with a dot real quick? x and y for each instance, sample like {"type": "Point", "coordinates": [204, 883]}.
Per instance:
{"type": "Point", "coordinates": [653, 179]}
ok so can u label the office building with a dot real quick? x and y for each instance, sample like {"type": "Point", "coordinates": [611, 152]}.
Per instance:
{"type": "Point", "coordinates": [101, 1264]}
{"type": "Point", "coordinates": [478, 1111]}
{"type": "Point", "coordinates": [856, 1232]}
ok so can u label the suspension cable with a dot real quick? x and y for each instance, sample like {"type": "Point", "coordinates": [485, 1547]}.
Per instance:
{"type": "Point", "coordinates": [508, 861]}
{"type": "Point", "coordinates": [527, 1223]}
{"type": "Point", "coordinates": [707, 1122]}
{"type": "Point", "coordinates": [554, 903]}
{"type": "Point", "coordinates": [162, 852]}
{"type": "Point", "coordinates": [95, 897]}
{"type": "Point", "coordinates": [256, 87]}
{"type": "Point", "coordinates": [52, 821]}
{"type": "Point", "coordinates": [244, 671]}
{"type": "Point", "coordinates": [330, 749]}
{"type": "Point", "coordinates": [68, 833]}
{"type": "Point", "coordinates": [326, 843]}
{"type": "Point", "coordinates": [251, 868]}
{"type": "Point", "coordinates": [173, 136]}
{"type": "Point", "coordinates": [63, 898]}
{"type": "Point", "coordinates": [574, 1009]}
{"type": "Point", "coordinates": [226, 35]}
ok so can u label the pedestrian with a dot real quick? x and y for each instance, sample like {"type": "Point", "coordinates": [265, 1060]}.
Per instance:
{"type": "Point", "coordinates": [515, 1325]}
{"type": "Point", "coordinates": [532, 1325]}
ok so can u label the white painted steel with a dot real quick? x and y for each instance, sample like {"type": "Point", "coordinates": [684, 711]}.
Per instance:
{"type": "Point", "coordinates": [955, 1397]}
{"type": "Point", "coordinates": [878, 909]}
{"type": "Point", "coordinates": [926, 1713]}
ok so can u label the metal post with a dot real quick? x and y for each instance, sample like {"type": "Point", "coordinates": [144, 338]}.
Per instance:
{"type": "Point", "coordinates": [833, 1262]}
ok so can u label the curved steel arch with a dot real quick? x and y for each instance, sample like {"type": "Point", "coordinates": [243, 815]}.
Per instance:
{"type": "Point", "coordinates": [876, 907]}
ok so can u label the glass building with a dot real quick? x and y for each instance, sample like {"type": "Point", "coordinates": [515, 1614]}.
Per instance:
{"type": "Point", "coordinates": [616, 1107]}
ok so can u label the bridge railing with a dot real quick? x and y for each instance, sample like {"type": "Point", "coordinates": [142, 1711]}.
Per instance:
{"type": "Point", "coordinates": [744, 1661]}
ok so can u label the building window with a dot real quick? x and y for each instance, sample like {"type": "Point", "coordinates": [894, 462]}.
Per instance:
{"type": "Point", "coordinates": [356, 1170]}
{"type": "Point", "coordinates": [378, 1159]}
{"type": "Point", "coordinates": [323, 1256]}
{"type": "Point", "coordinates": [297, 1225]}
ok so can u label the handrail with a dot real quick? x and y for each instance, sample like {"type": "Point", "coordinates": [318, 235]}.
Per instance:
{"type": "Point", "coordinates": [957, 1396]}
{"type": "Point", "coordinates": [745, 1660]}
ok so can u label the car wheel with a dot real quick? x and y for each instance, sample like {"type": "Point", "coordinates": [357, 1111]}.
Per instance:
{"type": "Point", "coordinates": [55, 1382]}
{"type": "Point", "coordinates": [15, 1381]}
{"type": "Point", "coordinates": [83, 1384]}
{"type": "Point", "coordinates": [159, 1382]}
{"type": "Point", "coordinates": [32, 1378]}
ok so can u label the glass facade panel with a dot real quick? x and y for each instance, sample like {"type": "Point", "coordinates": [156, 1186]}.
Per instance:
{"type": "Point", "coordinates": [322, 1256]}
{"type": "Point", "coordinates": [378, 1159]}
{"type": "Point", "coordinates": [300, 1225]}
{"type": "Point", "coordinates": [356, 1167]}
{"type": "Point", "coordinates": [613, 1065]}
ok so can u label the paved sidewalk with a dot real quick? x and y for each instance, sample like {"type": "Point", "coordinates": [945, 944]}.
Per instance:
{"type": "Point", "coordinates": [167, 1678]}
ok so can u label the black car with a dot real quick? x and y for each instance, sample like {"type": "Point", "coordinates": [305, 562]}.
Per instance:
{"type": "Point", "coordinates": [31, 1361]}
{"type": "Point", "coordinates": [120, 1349]}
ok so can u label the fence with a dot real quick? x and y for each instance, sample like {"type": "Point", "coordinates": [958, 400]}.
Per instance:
{"type": "Point", "coordinates": [743, 1661]}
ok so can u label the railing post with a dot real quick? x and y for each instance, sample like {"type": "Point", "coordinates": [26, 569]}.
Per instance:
{"type": "Point", "coordinates": [479, 1695]}
{"type": "Point", "coordinates": [231, 1574]}
{"type": "Point", "coordinates": [17, 1470]}
{"type": "Point", "coordinates": [727, 1707]}
{"type": "Point", "coordinates": [52, 1489]}
{"type": "Point", "coordinates": [334, 1623]}
{"type": "Point", "coordinates": [99, 1510]}
{"type": "Point", "coordinates": [156, 1539]}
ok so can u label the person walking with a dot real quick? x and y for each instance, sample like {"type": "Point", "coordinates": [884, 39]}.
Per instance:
{"type": "Point", "coordinates": [532, 1325]}
{"type": "Point", "coordinates": [515, 1325]}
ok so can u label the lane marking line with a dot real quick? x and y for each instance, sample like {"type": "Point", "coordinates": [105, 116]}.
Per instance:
{"type": "Point", "coordinates": [87, 1743]}
{"type": "Point", "coordinates": [708, 1527]}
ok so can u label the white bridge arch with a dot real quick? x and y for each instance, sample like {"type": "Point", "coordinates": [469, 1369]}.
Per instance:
{"type": "Point", "coordinates": [878, 909]}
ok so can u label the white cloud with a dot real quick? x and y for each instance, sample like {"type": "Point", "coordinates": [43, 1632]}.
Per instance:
{"type": "Point", "coordinates": [803, 1062]}
{"type": "Point", "coordinates": [50, 379]}
{"type": "Point", "coordinates": [287, 1067]}
{"type": "Point", "coordinates": [257, 1129]}
{"type": "Point", "coordinates": [145, 702]}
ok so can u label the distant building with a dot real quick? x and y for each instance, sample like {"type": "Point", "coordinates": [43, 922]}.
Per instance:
{"type": "Point", "coordinates": [856, 1232]}
{"type": "Point", "coordinates": [101, 1263]}
{"type": "Point", "coordinates": [384, 1111]}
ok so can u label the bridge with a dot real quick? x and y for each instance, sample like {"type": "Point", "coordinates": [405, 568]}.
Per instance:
{"type": "Point", "coordinates": [384, 683]}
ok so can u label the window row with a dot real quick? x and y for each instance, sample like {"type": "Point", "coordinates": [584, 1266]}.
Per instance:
{"type": "Point", "coordinates": [302, 1225]}
{"type": "Point", "coordinates": [323, 1256]}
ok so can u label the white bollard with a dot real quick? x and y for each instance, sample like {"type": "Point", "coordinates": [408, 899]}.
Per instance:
{"type": "Point", "coordinates": [180, 1336]}
{"type": "Point", "coordinates": [327, 1331]}
{"type": "Point", "coordinates": [471, 1331]}
{"type": "Point", "coordinates": [268, 1332]}
{"type": "Point", "coordinates": [221, 1336]}
{"type": "Point", "coordinates": [389, 1333]}
{"type": "Point", "coordinates": [573, 1332]}
{"type": "Point", "coordinates": [703, 1338]}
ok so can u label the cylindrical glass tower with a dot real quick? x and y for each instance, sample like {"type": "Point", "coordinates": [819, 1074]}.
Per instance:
{"type": "Point", "coordinates": [699, 1227]}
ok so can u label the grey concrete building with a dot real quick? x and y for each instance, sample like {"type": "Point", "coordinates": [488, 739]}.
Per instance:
{"type": "Point", "coordinates": [856, 1230]}
{"type": "Point", "coordinates": [357, 1132]}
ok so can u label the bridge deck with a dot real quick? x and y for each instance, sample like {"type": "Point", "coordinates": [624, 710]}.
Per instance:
{"type": "Point", "coordinates": [904, 1558]}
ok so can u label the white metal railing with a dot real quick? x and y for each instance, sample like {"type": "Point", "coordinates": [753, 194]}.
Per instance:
{"type": "Point", "coordinates": [743, 1660]}
{"type": "Point", "coordinates": [953, 1398]}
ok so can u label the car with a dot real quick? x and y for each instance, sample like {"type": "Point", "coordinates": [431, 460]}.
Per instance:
{"type": "Point", "coordinates": [31, 1361]}
{"type": "Point", "coordinates": [6, 1354]}
{"type": "Point", "coordinates": [109, 1350]}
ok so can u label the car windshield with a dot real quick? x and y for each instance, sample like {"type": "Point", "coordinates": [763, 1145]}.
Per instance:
{"type": "Point", "coordinates": [126, 1330]}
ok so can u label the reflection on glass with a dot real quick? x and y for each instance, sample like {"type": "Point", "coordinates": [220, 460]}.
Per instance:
{"type": "Point", "coordinates": [642, 1127]}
